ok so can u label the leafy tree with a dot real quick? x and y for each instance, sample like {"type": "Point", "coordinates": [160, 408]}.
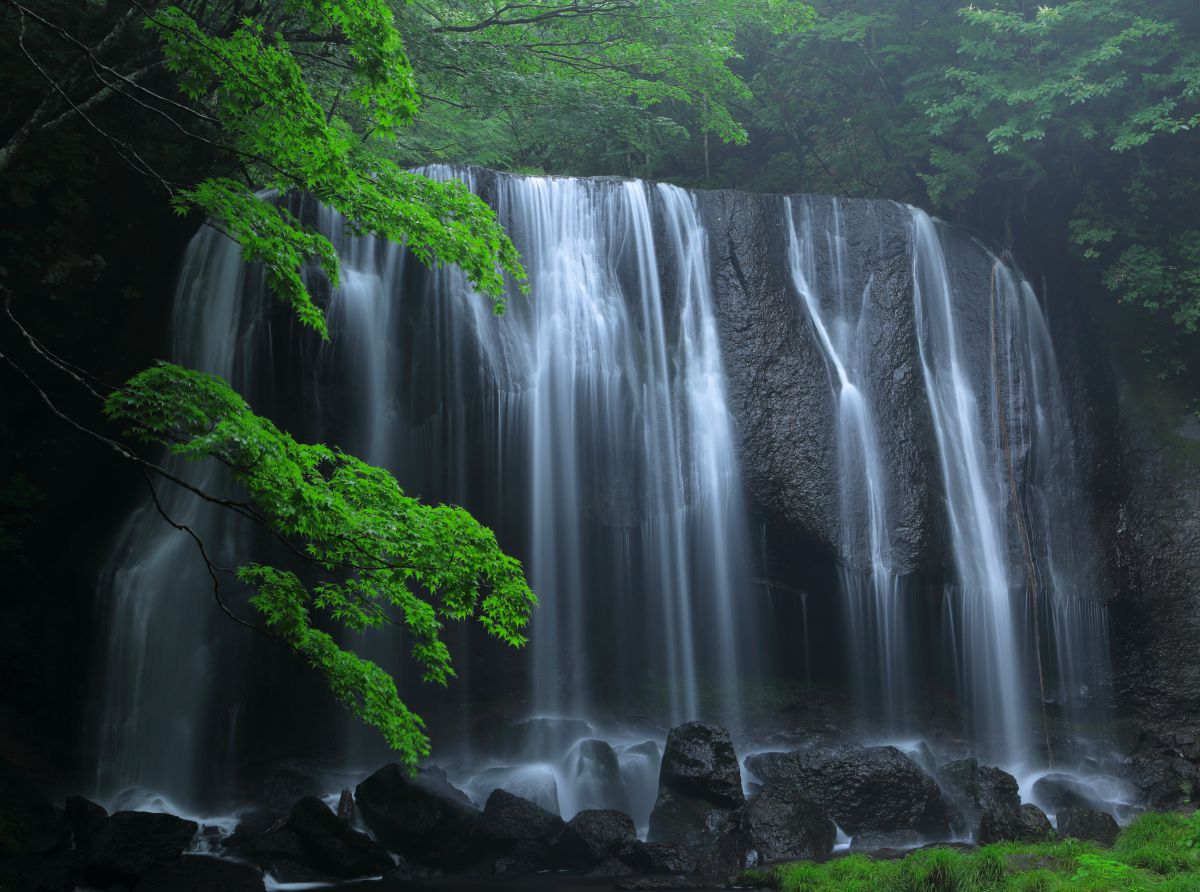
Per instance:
{"type": "Point", "coordinates": [1104, 96]}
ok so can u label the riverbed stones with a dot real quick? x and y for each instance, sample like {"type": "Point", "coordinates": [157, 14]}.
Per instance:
{"type": "Point", "coordinates": [780, 824]}
{"type": "Point", "coordinates": [1088, 824]}
{"type": "Point", "coordinates": [699, 787]}
{"type": "Point", "coordinates": [424, 818]}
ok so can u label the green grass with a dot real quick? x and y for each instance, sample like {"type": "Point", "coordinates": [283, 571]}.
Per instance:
{"type": "Point", "coordinates": [1156, 853]}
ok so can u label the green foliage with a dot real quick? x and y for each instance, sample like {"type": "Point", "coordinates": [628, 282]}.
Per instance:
{"type": "Point", "coordinates": [252, 86]}
{"type": "Point", "coordinates": [1103, 92]}
{"type": "Point", "coordinates": [1151, 855]}
{"type": "Point", "coordinates": [378, 555]}
{"type": "Point", "coordinates": [567, 86]}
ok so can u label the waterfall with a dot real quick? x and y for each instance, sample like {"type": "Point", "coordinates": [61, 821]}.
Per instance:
{"type": "Point", "coordinates": [842, 324]}
{"type": "Point", "coordinates": [595, 427]}
{"type": "Point", "coordinates": [1027, 567]}
{"type": "Point", "coordinates": [156, 590]}
{"type": "Point", "coordinates": [588, 426]}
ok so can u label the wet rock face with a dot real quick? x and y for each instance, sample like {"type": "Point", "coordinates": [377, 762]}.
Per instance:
{"type": "Point", "coordinates": [1155, 617]}
{"type": "Point", "coordinates": [424, 818]}
{"type": "Point", "coordinates": [862, 788]}
{"type": "Point", "coordinates": [593, 836]}
{"type": "Point", "coordinates": [779, 383]}
{"type": "Point", "coordinates": [515, 827]}
{"type": "Point", "coordinates": [129, 843]}
{"type": "Point", "coordinates": [699, 787]}
{"type": "Point", "coordinates": [875, 840]}
{"type": "Point", "coordinates": [1035, 826]}
{"type": "Point", "coordinates": [1087, 824]}
{"type": "Point", "coordinates": [989, 802]}
{"type": "Point", "coordinates": [1059, 791]}
{"type": "Point", "coordinates": [699, 761]}
{"type": "Point", "coordinates": [780, 825]}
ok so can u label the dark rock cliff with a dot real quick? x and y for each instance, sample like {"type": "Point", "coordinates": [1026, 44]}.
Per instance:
{"type": "Point", "coordinates": [780, 387]}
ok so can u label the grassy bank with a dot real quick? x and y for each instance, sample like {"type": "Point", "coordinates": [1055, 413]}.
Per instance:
{"type": "Point", "coordinates": [1159, 852]}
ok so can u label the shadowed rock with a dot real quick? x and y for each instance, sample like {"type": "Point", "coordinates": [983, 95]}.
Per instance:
{"type": "Point", "coordinates": [129, 843]}
{"type": "Point", "coordinates": [1087, 824]}
{"type": "Point", "coordinates": [780, 824]}
{"type": "Point", "coordinates": [423, 818]}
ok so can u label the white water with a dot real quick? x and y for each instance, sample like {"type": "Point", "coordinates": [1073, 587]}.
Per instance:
{"type": "Point", "coordinates": [588, 424]}
{"type": "Point", "coordinates": [842, 326]}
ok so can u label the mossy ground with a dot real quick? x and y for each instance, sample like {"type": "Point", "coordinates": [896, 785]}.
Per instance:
{"type": "Point", "coordinates": [1159, 852]}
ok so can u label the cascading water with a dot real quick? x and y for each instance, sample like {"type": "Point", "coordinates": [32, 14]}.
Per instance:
{"type": "Point", "coordinates": [1027, 567]}
{"type": "Point", "coordinates": [975, 502]}
{"type": "Point", "coordinates": [842, 326]}
{"type": "Point", "coordinates": [588, 425]}
{"type": "Point", "coordinates": [593, 427]}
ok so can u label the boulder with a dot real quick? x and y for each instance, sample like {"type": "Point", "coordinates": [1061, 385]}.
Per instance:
{"type": "Point", "coordinates": [593, 836]}
{"type": "Point", "coordinates": [699, 787]}
{"type": "Point", "coordinates": [658, 857]}
{"type": "Point", "coordinates": [199, 873]}
{"type": "Point", "coordinates": [595, 773]}
{"type": "Point", "coordinates": [517, 828]}
{"type": "Point", "coordinates": [876, 788]}
{"type": "Point", "coordinates": [699, 761]}
{"type": "Point", "coordinates": [1077, 822]}
{"type": "Point", "coordinates": [423, 818]}
{"type": "Point", "coordinates": [987, 797]}
{"type": "Point", "coordinates": [83, 818]}
{"type": "Point", "coordinates": [684, 820]}
{"type": "Point", "coordinates": [275, 849]}
{"type": "Point", "coordinates": [1035, 826]}
{"type": "Point", "coordinates": [1059, 791]}
{"type": "Point", "coordinates": [127, 844]}
{"type": "Point", "coordinates": [875, 840]}
{"type": "Point", "coordinates": [779, 824]}
{"type": "Point", "coordinates": [791, 767]}
{"type": "Point", "coordinates": [330, 846]}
